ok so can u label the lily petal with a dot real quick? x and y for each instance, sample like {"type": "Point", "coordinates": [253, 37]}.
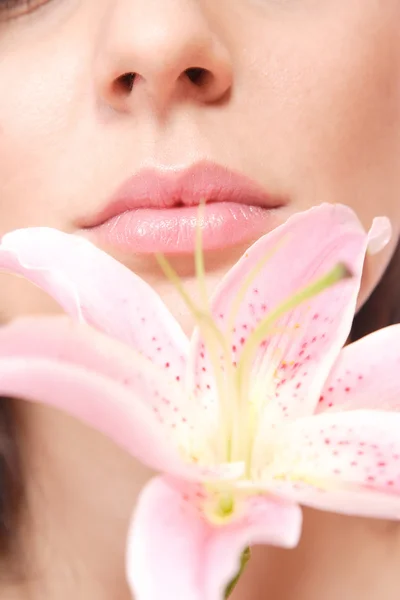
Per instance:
{"type": "Point", "coordinates": [137, 396]}
{"type": "Point", "coordinates": [96, 401]}
{"type": "Point", "coordinates": [93, 287]}
{"type": "Point", "coordinates": [295, 359]}
{"type": "Point", "coordinates": [346, 462]}
{"type": "Point", "coordinates": [60, 338]}
{"type": "Point", "coordinates": [366, 374]}
{"type": "Point", "coordinates": [174, 553]}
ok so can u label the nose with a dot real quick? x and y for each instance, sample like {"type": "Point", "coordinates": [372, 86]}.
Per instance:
{"type": "Point", "coordinates": [161, 52]}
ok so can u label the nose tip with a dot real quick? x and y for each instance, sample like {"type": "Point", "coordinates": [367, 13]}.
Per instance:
{"type": "Point", "coordinates": [166, 62]}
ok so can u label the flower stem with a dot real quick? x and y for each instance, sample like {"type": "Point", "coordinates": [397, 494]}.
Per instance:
{"type": "Point", "coordinates": [243, 563]}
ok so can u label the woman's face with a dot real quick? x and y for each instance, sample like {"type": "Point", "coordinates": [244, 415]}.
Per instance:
{"type": "Point", "coordinates": [300, 96]}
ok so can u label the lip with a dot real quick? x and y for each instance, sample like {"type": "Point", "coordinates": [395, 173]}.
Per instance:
{"type": "Point", "coordinates": [158, 211]}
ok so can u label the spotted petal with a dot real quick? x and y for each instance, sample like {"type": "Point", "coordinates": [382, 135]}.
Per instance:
{"type": "Point", "coordinates": [344, 462]}
{"type": "Point", "coordinates": [172, 549]}
{"type": "Point", "coordinates": [93, 287]}
{"type": "Point", "coordinates": [295, 359]}
{"type": "Point", "coordinates": [366, 374]}
{"type": "Point", "coordinates": [73, 367]}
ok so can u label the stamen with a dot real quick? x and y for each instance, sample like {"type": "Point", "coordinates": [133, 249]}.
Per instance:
{"type": "Point", "coordinates": [214, 341]}
{"type": "Point", "coordinates": [199, 259]}
{"type": "Point", "coordinates": [176, 281]}
{"type": "Point", "coordinates": [244, 370]}
{"type": "Point", "coordinates": [337, 274]}
{"type": "Point", "coordinates": [254, 272]}
{"type": "Point", "coordinates": [228, 398]}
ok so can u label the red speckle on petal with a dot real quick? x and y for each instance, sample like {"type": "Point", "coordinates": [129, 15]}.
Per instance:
{"type": "Point", "coordinates": [381, 464]}
{"type": "Point", "coordinates": [321, 399]}
{"type": "Point", "coordinates": [390, 483]}
{"type": "Point", "coordinates": [347, 389]}
{"type": "Point", "coordinates": [177, 378]}
{"type": "Point", "coordinates": [330, 389]}
{"type": "Point", "coordinates": [327, 441]}
{"type": "Point", "coordinates": [242, 340]}
{"type": "Point", "coordinates": [167, 365]}
{"type": "Point", "coordinates": [370, 478]}
{"type": "Point", "coordinates": [316, 317]}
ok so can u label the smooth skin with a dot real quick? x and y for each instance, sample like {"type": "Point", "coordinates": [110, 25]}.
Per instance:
{"type": "Point", "coordinates": [303, 97]}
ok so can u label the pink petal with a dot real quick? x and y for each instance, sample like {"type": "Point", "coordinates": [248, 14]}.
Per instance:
{"type": "Point", "coordinates": [59, 362]}
{"type": "Point", "coordinates": [366, 375]}
{"type": "Point", "coordinates": [95, 400]}
{"type": "Point", "coordinates": [295, 360]}
{"type": "Point", "coordinates": [92, 286]}
{"type": "Point", "coordinates": [62, 339]}
{"type": "Point", "coordinates": [345, 462]}
{"type": "Point", "coordinates": [379, 235]}
{"type": "Point", "coordinates": [174, 553]}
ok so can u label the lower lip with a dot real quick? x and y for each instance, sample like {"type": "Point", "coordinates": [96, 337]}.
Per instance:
{"type": "Point", "coordinates": [173, 230]}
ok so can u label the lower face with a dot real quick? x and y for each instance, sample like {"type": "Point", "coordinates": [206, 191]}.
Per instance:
{"type": "Point", "coordinates": [304, 100]}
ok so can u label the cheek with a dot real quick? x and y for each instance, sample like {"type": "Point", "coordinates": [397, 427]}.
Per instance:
{"type": "Point", "coordinates": [328, 107]}
{"type": "Point", "coordinates": [40, 117]}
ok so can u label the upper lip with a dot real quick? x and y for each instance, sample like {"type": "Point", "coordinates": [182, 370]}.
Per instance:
{"type": "Point", "coordinates": [203, 181]}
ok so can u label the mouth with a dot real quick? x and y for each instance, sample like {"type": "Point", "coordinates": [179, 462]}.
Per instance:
{"type": "Point", "coordinates": [158, 211]}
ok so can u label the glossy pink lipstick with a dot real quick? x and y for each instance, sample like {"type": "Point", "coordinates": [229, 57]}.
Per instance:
{"type": "Point", "coordinates": [158, 211]}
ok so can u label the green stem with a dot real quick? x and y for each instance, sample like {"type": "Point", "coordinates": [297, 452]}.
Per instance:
{"type": "Point", "coordinates": [243, 563]}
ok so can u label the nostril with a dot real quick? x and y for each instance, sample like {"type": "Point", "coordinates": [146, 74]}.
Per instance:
{"type": "Point", "coordinates": [125, 82]}
{"type": "Point", "coordinates": [197, 75]}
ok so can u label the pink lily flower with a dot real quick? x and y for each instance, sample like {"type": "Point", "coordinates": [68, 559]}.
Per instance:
{"type": "Point", "coordinates": [260, 411]}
